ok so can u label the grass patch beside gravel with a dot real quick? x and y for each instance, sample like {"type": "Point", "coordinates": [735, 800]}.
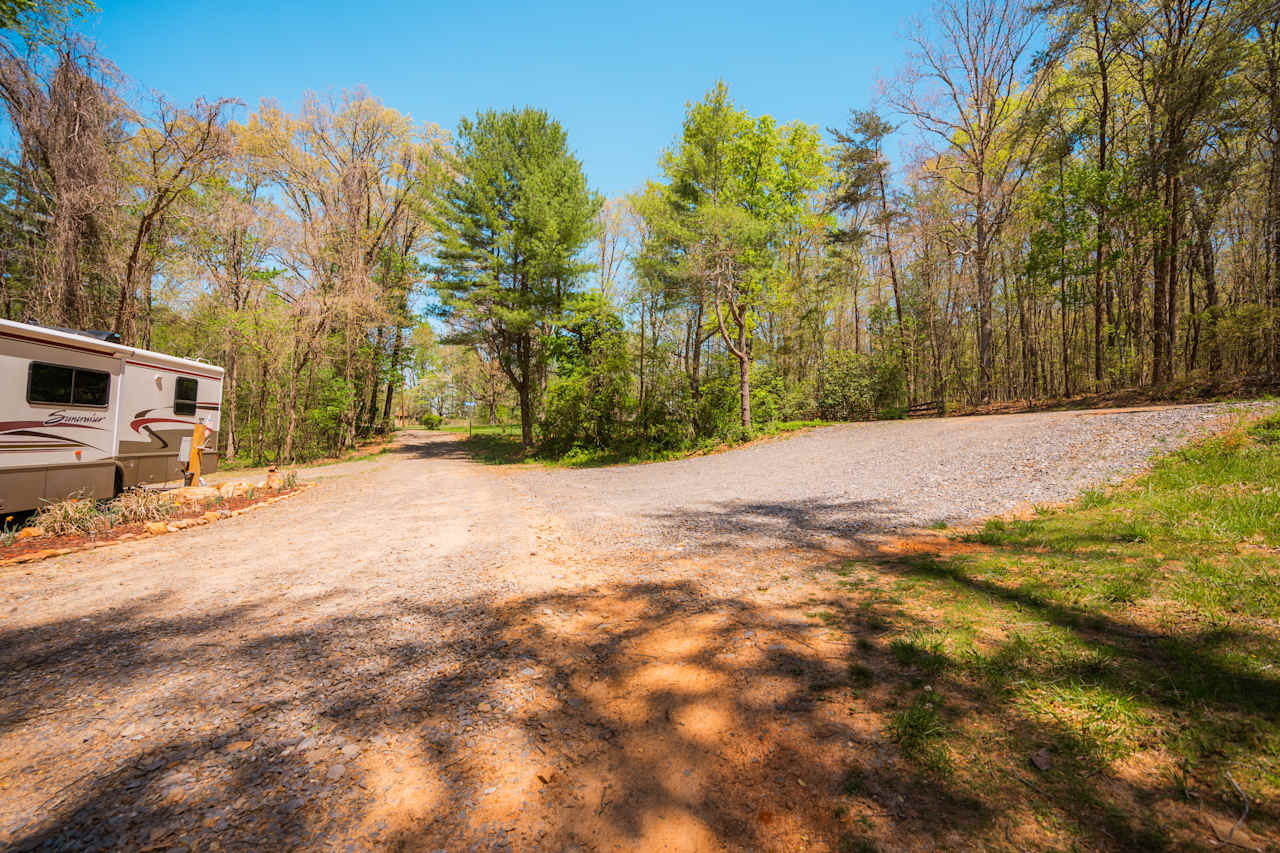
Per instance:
{"type": "Point", "coordinates": [495, 446]}
{"type": "Point", "coordinates": [1116, 660]}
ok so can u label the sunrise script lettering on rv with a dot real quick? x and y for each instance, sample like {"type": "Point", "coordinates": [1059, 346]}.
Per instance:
{"type": "Point", "coordinates": [56, 418]}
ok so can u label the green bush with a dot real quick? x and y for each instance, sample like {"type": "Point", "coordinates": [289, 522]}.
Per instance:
{"type": "Point", "coordinates": [431, 421]}
{"type": "Point", "coordinates": [857, 386]}
{"type": "Point", "coordinates": [776, 399]}
{"type": "Point", "coordinates": [587, 399]}
{"type": "Point", "coordinates": [1266, 430]}
{"type": "Point", "coordinates": [847, 393]}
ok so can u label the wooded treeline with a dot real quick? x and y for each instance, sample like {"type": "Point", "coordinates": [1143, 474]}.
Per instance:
{"type": "Point", "coordinates": [1087, 198]}
{"type": "Point", "coordinates": [284, 247]}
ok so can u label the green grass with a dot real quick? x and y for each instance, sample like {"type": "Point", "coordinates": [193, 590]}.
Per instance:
{"type": "Point", "coordinates": [496, 449]}
{"type": "Point", "coordinates": [919, 651]}
{"type": "Point", "coordinates": [483, 429]}
{"type": "Point", "coordinates": [1138, 627]}
{"type": "Point", "coordinates": [919, 731]}
{"type": "Point", "coordinates": [500, 445]}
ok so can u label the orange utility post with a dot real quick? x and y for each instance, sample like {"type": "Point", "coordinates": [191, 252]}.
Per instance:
{"type": "Point", "coordinates": [193, 462]}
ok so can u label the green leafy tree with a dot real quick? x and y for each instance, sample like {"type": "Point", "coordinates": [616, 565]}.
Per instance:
{"type": "Point", "coordinates": [588, 398]}
{"type": "Point", "coordinates": [861, 176]}
{"type": "Point", "coordinates": [733, 184]}
{"type": "Point", "coordinates": [511, 227]}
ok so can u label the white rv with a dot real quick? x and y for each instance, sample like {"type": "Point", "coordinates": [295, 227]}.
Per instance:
{"type": "Point", "coordinates": [81, 416]}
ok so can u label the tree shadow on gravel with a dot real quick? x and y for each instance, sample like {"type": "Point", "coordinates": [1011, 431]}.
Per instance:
{"type": "Point", "coordinates": [810, 525]}
{"type": "Point", "coordinates": [641, 716]}
{"type": "Point", "coordinates": [438, 446]}
{"type": "Point", "coordinates": [629, 718]}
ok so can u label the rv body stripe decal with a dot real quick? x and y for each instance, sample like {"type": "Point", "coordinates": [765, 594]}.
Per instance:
{"type": "Point", "coordinates": [174, 370]}
{"type": "Point", "coordinates": [68, 442]}
{"type": "Point", "coordinates": [142, 422]}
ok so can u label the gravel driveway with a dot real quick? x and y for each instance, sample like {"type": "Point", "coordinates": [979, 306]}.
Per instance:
{"type": "Point", "coordinates": [856, 478]}
{"type": "Point", "coordinates": [423, 652]}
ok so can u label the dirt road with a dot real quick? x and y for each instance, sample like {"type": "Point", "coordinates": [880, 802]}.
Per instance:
{"type": "Point", "coordinates": [424, 653]}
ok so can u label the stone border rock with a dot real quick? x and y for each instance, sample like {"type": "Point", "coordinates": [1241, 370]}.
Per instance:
{"type": "Point", "coordinates": [154, 528]}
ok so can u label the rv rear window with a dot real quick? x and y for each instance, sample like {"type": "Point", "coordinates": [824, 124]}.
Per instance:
{"type": "Point", "coordinates": [67, 386]}
{"type": "Point", "coordinates": [184, 396]}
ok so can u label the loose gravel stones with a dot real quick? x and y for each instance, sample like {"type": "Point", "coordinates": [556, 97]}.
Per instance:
{"type": "Point", "coordinates": [857, 478]}
{"type": "Point", "coordinates": [422, 649]}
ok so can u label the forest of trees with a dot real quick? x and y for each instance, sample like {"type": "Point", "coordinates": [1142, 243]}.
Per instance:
{"type": "Point", "coordinates": [1087, 199]}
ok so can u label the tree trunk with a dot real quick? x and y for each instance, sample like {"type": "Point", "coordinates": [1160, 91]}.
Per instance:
{"type": "Point", "coordinates": [1159, 295]}
{"type": "Point", "coordinates": [1208, 269]}
{"type": "Point", "coordinates": [292, 417]}
{"type": "Point", "coordinates": [986, 361]}
{"type": "Point", "coordinates": [1269, 34]}
{"type": "Point", "coordinates": [523, 389]}
{"type": "Point", "coordinates": [640, 396]}
{"type": "Point", "coordinates": [744, 376]}
{"type": "Point", "coordinates": [1104, 113]}
{"type": "Point", "coordinates": [229, 414]}
{"type": "Point", "coordinates": [392, 373]}
{"type": "Point", "coordinates": [893, 279]}
{"type": "Point", "coordinates": [1171, 305]}
{"type": "Point", "coordinates": [260, 438]}
{"type": "Point", "coordinates": [369, 411]}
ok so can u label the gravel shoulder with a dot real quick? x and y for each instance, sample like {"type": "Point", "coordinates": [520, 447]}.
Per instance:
{"type": "Point", "coordinates": [844, 480]}
{"type": "Point", "coordinates": [424, 653]}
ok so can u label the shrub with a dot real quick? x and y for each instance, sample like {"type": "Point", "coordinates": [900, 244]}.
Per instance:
{"type": "Point", "coordinates": [1266, 430]}
{"type": "Point", "coordinates": [431, 421]}
{"type": "Point", "coordinates": [848, 392]}
{"type": "Point", "coordinates": [73, 516]}
{"type": "Point", "coordinates": [857, 386]}
{"type": "Point", "coordinates": [774, 399]}
{"type": "Point", "coordinates": [141, 505]}
{"type": "Point", "coordinates": [587, 401]}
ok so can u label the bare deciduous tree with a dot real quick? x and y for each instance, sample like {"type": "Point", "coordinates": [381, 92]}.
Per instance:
{"type": "Point", "coordinates": [967, 85]}
{"type": "Point", "coordinates": [67, 117]}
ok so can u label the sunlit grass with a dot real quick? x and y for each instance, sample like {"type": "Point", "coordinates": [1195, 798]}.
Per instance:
{"type": "Point", "coordinates": [1139, 626]}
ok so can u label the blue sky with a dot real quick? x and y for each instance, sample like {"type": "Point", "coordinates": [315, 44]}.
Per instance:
{"type": "Point", "coordinates": [616, 76]}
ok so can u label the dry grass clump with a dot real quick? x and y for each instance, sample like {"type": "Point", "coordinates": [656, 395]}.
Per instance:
{"type": "Point", "coordinates": [141, 505]}
{"type": "Point", "coordinates": [74, 516]}
{"type": "Point", "coordinates": [86, 517]}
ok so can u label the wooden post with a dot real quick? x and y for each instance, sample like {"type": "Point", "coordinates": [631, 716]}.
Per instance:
{"type": "Point", "coordinates": [193, 462]}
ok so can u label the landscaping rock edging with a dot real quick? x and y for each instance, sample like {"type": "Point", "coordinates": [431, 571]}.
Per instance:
{"type": "Point", "coordinates": [153, 529]}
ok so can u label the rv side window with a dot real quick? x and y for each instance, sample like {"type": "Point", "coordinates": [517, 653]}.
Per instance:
{"type": "Point", "coordinates": [90, 388]}
{"type": "Point", "coordinates": [184, 396]}
{"type": "Point", "coordinates": [67, 386]}
{"type": "Point", "coordinates": [49, 383]}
